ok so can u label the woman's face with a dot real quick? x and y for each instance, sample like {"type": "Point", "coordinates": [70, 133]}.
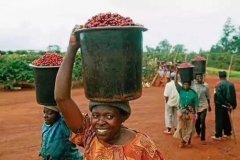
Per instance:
{"type": "Point", "coordinates": [50, 116]}
{"type": "Point", "coordinates": [186, 85]}
{"type": "Point", "coordinates": [106, 121]}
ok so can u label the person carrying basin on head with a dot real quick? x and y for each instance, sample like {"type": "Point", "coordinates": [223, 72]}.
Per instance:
{"type": "Point", "coordinates": [101, 132]}
{"type": "Point", "coordinates": [55, 137]}
{"type": "Point", "coordinates": [187, 109]}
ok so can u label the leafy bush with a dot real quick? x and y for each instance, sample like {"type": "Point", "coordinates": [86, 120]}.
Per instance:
{"type": "Point", "coordinates": [77, 68]}
{"type": "Point", "coordinates": [13, 72]}
{"type": "Point", "coordinates": [15, 69]}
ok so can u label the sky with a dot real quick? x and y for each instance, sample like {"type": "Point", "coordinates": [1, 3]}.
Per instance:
{"type": "Point", "coordinates": [35, 24]}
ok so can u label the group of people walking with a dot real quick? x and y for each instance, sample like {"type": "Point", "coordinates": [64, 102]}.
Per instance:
{"type": "Point", "coordinates": [102, 133]}
{"type": "Point", "coordinates": [163, 74]}
{"type": "Point", "coordinates": [187, 104]}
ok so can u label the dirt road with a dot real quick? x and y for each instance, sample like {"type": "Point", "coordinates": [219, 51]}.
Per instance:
{"type": "Point", "coordinates": [21, 120]}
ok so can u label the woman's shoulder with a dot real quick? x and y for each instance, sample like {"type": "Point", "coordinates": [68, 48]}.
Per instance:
{"type": "Point", "coordinates": [140, 139]}
{"type": "Point", "coordinates": [61, 127]}
{"type": "Point", "coordinates": [143, 140]}
{"type": "Point", "coordinates": [143, 143]}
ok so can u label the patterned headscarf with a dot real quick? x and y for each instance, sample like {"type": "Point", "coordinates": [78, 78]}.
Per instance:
{"type": "Point", "coordinates": [54, 108]}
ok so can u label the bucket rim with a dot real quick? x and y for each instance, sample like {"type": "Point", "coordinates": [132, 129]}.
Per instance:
{"type": "Point", "coordinates": [31, 65]}
{"type": "Point", "coordinates": [111, 27]}
{"type": "Point", "coordinates": [185, 65]}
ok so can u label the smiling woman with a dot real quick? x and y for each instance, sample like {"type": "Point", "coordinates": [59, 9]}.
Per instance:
{"type": "Point", "coordinates": [105, 137]}
{"type": "Point", "coordinates": [101, 134]}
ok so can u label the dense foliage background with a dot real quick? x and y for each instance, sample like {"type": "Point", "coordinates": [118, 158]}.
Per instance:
{"type": "Point", "coordinates": [16, 72]}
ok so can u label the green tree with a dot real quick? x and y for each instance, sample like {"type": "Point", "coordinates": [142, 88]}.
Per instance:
{"type": "Point", "coordinates": [150, 49]}
{"type": "Point", "coordinates": [235, 43]}
{"type": "Point", "coordinates": [164, 46]}
{"type": "Point", "coordinates": [216, 49]}
{"type": "Point", "coordinates": [228, 31]}
{"type": "Point", "coordinates": [179, 48]}
{"type": "Point", "coordinates": [53, 48]}
{"type": "Point", "coordinates": [21, 52]}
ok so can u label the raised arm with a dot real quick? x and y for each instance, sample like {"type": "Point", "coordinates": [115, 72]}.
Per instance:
{"type": "Point", "coordinates": [72, 115]}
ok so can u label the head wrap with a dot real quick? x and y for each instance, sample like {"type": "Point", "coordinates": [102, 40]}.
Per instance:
{"type": "Point", "coordinates": [199, 73]}
{"type": "Point", "coordinates": [54, 108]}
{"type": "Point", "coordinates": [189, 82]}
{"type": "Point", "coordinates": [124, 106]}
{"type": "Point", "coordinates": [173, 74]}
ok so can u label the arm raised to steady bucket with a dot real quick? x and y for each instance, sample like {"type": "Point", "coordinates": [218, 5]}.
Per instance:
{"type": "Point", "coordinates": [67, 106]}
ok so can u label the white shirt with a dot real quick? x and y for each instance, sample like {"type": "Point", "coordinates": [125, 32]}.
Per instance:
{"type": "Point", "coordinates": [171, 92]}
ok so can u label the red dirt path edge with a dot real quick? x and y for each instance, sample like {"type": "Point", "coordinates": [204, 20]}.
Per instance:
{"type": "Point", "coordinates": [21, 120]}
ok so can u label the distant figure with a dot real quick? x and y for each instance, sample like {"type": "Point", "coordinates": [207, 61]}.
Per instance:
{"type": "Point", "coordinates": [225, 101]}
{"type": "Point", "coordinates": [204, 104]}
{"type": "Point", "coordinates": [186, 113]}
{"type": "Point", "coordinates": [161, 71]}
{"type": "Point", "coordinates": [171, 103]}
{"type": "Point", "coordinates": [55, 137]}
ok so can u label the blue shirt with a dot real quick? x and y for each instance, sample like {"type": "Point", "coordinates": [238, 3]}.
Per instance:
{"type": "Point", "coordinates": [56, 144]}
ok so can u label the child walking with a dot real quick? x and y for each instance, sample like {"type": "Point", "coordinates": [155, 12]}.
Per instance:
{"type": "Point", "coordinates": [55, 137]}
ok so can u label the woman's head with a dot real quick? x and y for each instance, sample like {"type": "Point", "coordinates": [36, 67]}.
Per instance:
{"type": "Point", "coordinates": [50, 114]}
{"type": "Point", "coordinates": [186, 85]}
{"type": "Point", "coordinates": [107, 119]}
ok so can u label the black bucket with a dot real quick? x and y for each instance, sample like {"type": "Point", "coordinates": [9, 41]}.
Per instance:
{"type": "Point", "coordinates": [186, 73]}
{"type": "Point", "coordinates": [112, 63]}
{"type": "Point", "coordinates": [200, 67]}
{"type": "Point", "coordinates": [45, 83]}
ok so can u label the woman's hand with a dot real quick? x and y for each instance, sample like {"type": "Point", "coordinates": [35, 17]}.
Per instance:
{"type": "Point", "coordinates": [74, 43]}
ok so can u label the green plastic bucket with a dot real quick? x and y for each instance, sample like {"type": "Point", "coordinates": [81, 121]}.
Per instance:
{"type": "Point", "coordinates": [45, 83]}
{"type": "Point", "coordinates": [112, 63]}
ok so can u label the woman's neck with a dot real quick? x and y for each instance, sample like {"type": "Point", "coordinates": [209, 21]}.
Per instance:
{"type": "Point", "coordinates": [124, 136]}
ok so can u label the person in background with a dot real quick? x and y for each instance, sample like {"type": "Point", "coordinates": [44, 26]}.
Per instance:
{"type": "Point", "coordinates": [186, 113]}
{"type": "Point", "coordinates": [171, 104]}
{"type": "Point", "coordinates": [225, 101]}
{"type": "Point", "coordinates": [204, 104]}
{"type": "Point", "coordinates": [161, 71]}
{"type": "Point", "coordinates": [55, 137]}
{"type": "Point", "coordinates": [101, 133]}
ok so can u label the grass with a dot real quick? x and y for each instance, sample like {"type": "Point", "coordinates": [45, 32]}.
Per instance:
{"type": "Point", "coordinates": [214, 71]}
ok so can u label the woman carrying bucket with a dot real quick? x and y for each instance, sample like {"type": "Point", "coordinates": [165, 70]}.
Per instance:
{"type": "Point", "coordinates": [187, 106]}
{"type": "Point", "coordinates": [101, 134]}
